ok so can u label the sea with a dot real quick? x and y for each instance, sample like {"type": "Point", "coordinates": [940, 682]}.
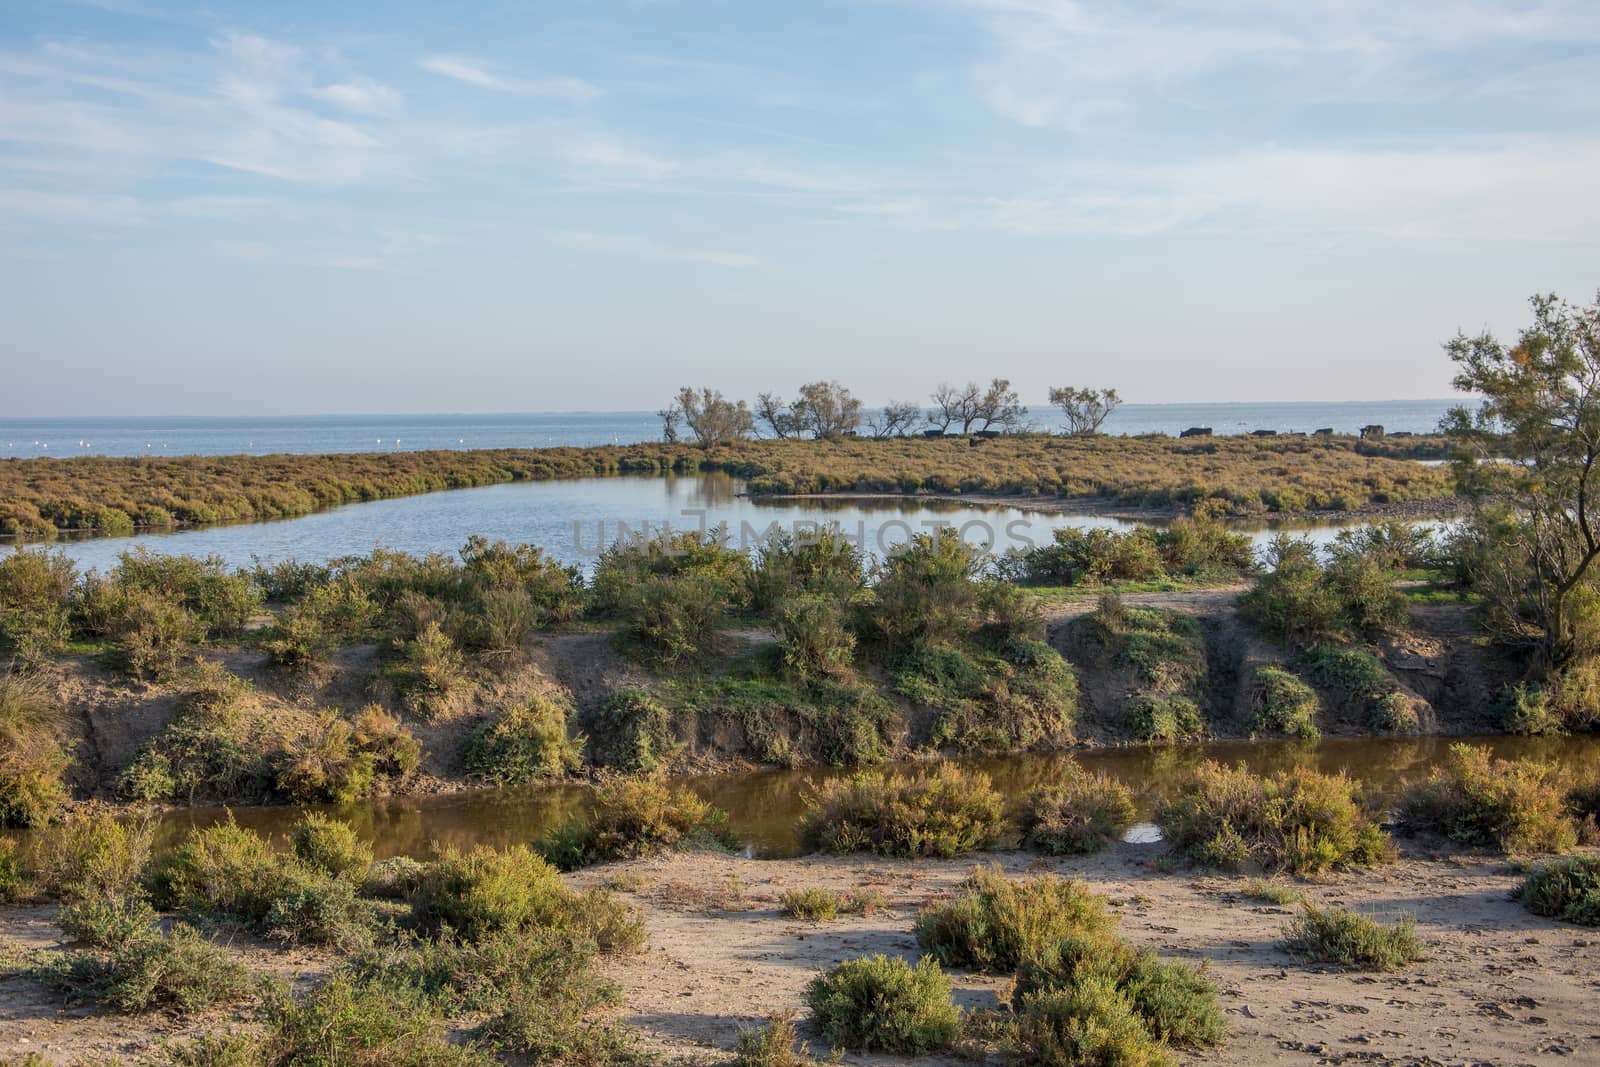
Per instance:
{"type": "Point", "coordinates": [265, 435]}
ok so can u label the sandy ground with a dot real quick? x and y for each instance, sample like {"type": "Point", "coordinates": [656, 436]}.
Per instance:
{"type": "Point", "coordinates": [1499, 986]}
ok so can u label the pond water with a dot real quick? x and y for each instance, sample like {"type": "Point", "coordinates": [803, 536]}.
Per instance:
{"type": "Point", "coordinates": [765, 806]}
{"type": "Point", "coordinates": [572, 519]}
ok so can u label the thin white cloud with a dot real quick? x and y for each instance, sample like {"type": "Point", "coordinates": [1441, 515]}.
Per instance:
{"type": "Point", "coordinates": [1090, 66]}
{"type": "Point", "coordinates": [34, 205]}
{"type": "Point", "coordinates": [472, 72]}
{"type": "Point", "coordinates": [364, 96]}
{"type": "Point", "coordinates": [646, 248]}
{"type": "Point", "coordinates": [605, 153]}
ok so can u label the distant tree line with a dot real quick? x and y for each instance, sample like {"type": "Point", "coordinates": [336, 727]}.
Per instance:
{"type": "Point", "coordinates": [826, 411]}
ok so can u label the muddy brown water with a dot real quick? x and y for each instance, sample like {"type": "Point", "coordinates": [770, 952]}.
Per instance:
{"type": "Point", "coordinates": [765, 806]}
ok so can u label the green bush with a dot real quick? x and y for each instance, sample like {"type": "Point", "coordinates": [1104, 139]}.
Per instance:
{"type": "Point", "coordinates": [91, 856]}
{"type": "Point", "coordinates": [815, 904]}
{"type": "Point", "coordinates": [434, 670]}
{"type": "Point", "coordinates": [1516, 806]}
{"type": "Point", "coordinates": [220, 601]}
{"type": "Point", "coordinates": [215, 748]}
{"type": "Point", "coordinates": [772, 1045]}
{"type": "Point", "coordinates": [1280, 703]}
{"type": "Point", "coordinates": [396, 753]}
{"type": "Point", "coordinates": [814, 638]}
{"type": "Point", "coordinates": [643, 816]}
{"type": "Point", "coordinates": [1165, 720]}
{"type": "Point", "coordinates": [826, 565]}
{"type": "Point", "coordinates": [33, 753]}
{"type": "Point", "coordinates": [1362, 682]}
{"type": "Point", "coordinates": [1567, 889]}
{"type": "Point", "coordinates": [1298, 820]}
{"type": "Point", "coordinates": [155, 633]}
{"type": "Point", "coordinates": [179, 971]}
{"type": "Point", "coordinates": [633, 732]}
{"type": "Point", "coordinates": [997, 922]}
{"type": "Point", "coordinates": [324, 764]}
{"type": "Point", "coordinates": [342, 1022]}
{"type": "Point", "coordinates": [1337, 935]}
{"type": "Point", "coordinates": [941, 812]}
{"type": "Point", "coordinates": [1083, 812]}
{"type": "Point", "coordinates": [488, 892]}
{"type": "Point", "coordinates": [625, 567]}
{"type": "Point", "coordinates": [1088, 1022]}
{"type": "Point", "coordinates": [1020, 695]}
{"type": "Point", "coordinates": [1300, 601]}
{"type": "Point", "coordinates": [15, 878]}
{"type": "Point", "coordinates": [883, 1004]}
{"type": "Point", "coordinates": [925, 594]}
{"type": "Point", "coordinates": [524, 743]}
{"type": "Point", "coordinates": [35, 597]}
{"type": "Point", "coordinates": [674, 618]}
{"type": "Point", "coordinates": [107, 924]}
{"type": "Point", "coordinates": [229, 872]}
{"type": "Point", "coordinates": [330, 846]}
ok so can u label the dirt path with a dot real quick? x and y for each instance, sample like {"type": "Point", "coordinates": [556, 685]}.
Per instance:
{"type": "Point", "coordinates": [1499, 986]}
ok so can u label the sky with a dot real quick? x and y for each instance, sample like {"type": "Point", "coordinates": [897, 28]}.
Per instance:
{"type": "Point", "coordinates": [305, 208]}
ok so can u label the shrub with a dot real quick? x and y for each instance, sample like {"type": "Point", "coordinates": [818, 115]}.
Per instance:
{"type": "Point", "coordinates": [156, 631]}
{"type": "Point", "coordinates": [1270, 892]}
{"type": "Point", "coordinates": [1088, 1022]}
{"type": "Point", "coordinates": [108, 924]}
{"type": "Point", "coordinates": [827, 565]}
{"type": "Point", "coordinates": [633, 732]}
{"type": "Point", "coordinates": [525, 742]}
{"type": "Point", "coordinates": [1020, 695]}
{"type": "Point", "coordinates": [1165, 720]}
{"type": "Point", "coordinates": [1281, 703]}
{"type": "Point", "coordinates": [1084, 812]}
{"type": "Point", "coordinates": [330, 846]}
{"type": "Point", "coordinates": [814, 639]}
{"type": "Point", "coordinates": [396, 753]}
{"type": "Point", "coordinates": [35, 592]}
{"type": "Point", "coordinates": [486, 892]}
{"type": "Point", "coordinates": [214, 748]}
{"type": "Point", "coordinates": [640, 817]}
{"type": "Point", "coordinates": [1337, 935]}
{"type": "Point", "coordinates": [1567, 889]}
{"type": "Point", "coordinates": [1291, 601]}
{"type": "Point", "coordinates": [824, 905]}
{"type": "Point", "coordinates": [325, 765]}
{"type": "Point", "coordinates": [1363, 682]}
{"type": "Point", "coordinates": [772, 1045]}
{"type": "Point", "coordinates": [33, 755]}
{"type": "Point", "coordinates": [225, 870]}
{"type": "Point", "coordinates": [1513, 805]}
{"type": "Point", "coordinates": [926, 594]}
{"type": "Point", "coordinates": [939, 812]}
{"type": "Point", "coordinates": [220, 602]}
{"type": "Point", "coordinates": [883, 1004]}
{"type": "Point", "coordinates": [625, 568]}
{"type": "Point", "coordinates": [434, 669]}
{"type": "Point", "coordinates": [673, 618]}
{"type": "Point", "coordinates": [811, 904]}
{"type": "Point", "coordinates": [1299, 820]}
{"type": "Point", "coordinates": [343, 1022]}
{"type": "Point", "coordinates": [179, 971]}
{"type": "Point", "coordinates": [998, 922]}
{"type": "Point", "coordinates": [91, 856]}
{"type": "Point", "coordinates": [14, 875]}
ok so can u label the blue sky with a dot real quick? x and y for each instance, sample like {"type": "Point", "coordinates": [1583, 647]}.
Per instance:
{"type": "Point", "coordinates": [303, 207]}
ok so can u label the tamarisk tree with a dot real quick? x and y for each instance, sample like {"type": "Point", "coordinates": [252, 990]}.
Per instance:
{"type": "Point", "coordinates": [1529, 459]}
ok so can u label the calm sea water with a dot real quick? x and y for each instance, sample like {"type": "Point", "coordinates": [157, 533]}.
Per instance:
{"type": "Point", "coordinates": [573, 519]}
{"type": "Point", "coordinates": [108, 436]}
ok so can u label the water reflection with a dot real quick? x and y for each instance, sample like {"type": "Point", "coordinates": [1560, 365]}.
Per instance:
{"type": "Point", "coordinates": [764, 806]}
{"type": "Point", "coordinates": [572, 519]}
